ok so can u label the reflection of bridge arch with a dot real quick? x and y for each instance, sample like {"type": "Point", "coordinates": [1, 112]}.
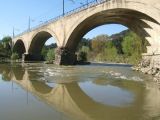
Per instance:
{"type": "Point", "coordinates": [71, 100]}
{"type": "Point", "coordinates": [41, 87]}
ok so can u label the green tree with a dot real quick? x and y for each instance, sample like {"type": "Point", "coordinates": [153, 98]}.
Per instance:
{"type": "Point", "coordinates": [6, 41]}
{"type": "Point", "coordinates": [132, 47]}
{"type": "Point", "coordinates": [82, 56]}
{"type": "Point", "coordinates": [5, 47]}
{"type": "Point", "coordinates": [51, 55]}
{"type": "Point", "coordinates": [84, 42]}
{"type": "Point", "coordinates": [122, 47]}
{"type": "Point", "coordinates": [44, 52]}
{"type": "Point", "coordinates": [14, 56]}
{"type": "Point", "coordinates": [99, 43]}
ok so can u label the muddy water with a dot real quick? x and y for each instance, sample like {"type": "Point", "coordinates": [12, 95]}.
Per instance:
{"type": "Point", "coordinates": [95, 92]}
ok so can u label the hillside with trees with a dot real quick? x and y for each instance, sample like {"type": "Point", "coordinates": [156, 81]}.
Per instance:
{"type": "Point", "coordinates": [124, 47]}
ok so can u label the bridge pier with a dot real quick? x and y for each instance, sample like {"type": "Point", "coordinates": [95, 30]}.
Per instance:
{"type": "Point", "coordinates": [31, 57]}
{"type": "Point", "coordinates": [63, 56]}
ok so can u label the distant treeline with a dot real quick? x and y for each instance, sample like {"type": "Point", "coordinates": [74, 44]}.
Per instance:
{"type": "Point", "coordinates": [124, 47]}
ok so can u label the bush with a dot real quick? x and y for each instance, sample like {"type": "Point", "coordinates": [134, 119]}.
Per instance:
{"type": "Point", "coordinates": [51, 55]}
{"type": "Point", "coordinates": [14, 56]}
{"type": "Point", "coordinates": [44, 52]}
{"type": "Point", "coordinates": [82, 56]}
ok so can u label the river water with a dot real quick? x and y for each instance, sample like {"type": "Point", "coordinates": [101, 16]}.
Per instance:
{"type": "Point", "coordinates": [35, 91]}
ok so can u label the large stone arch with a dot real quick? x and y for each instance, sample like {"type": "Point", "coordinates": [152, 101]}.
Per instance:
{"type": "Point", "coordinates": [19, 47]}
{"type": "Point", "coordinates": [132, 19]}
{"type": "Point", "coordinates": [37, 42]}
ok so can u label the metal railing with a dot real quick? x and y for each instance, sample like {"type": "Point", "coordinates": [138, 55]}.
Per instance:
{"type": "Point", "coordinates": [76, 10]}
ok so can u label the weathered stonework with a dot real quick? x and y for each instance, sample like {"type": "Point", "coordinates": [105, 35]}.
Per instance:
{"type": "Point", "coordinates": [64, 56]}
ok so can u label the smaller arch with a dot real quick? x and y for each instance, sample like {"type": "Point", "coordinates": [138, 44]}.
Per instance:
{"type": "Point", "coordinates": [38, 40]}
{"type": "Point", "coordinates": [19, 48]}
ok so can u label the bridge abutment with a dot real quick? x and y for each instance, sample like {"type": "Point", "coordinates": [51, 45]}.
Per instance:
{"type": "Point", "coordinates": [64, 56]}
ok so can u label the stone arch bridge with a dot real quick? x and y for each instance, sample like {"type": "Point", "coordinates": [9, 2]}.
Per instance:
{"type": "Point", "coordinates": [141, 16]}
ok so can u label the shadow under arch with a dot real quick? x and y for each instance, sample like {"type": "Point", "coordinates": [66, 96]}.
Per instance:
{"type": "Point", "coordinates": [127, 17]}
{"type": "Point", "coordinates": [38, 41]}
{"type": "Point", "coordinates": [19, 48]}
{"type": "Point", "coordinates": [18, 71]}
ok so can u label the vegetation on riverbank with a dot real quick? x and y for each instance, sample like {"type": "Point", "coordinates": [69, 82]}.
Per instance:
{"type": "Point", "coordinates": [124, 47]}
{"type": "Point", "coordinates": [5, 48]}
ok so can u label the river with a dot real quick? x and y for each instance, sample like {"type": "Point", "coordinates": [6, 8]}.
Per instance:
{"type": "Point", "coordinates": [36, 91]}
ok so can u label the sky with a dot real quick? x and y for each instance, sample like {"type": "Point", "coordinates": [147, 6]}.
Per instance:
{"type": "Point", "coordinates": [16, 13]}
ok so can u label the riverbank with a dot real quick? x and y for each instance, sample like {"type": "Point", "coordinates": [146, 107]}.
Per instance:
{"type": "Point", "coordinates": [146, 66]}
{"type": "Point", "coordinates": [110, 64]}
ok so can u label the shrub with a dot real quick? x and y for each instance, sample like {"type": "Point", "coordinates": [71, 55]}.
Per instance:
{"type": "Point", "coordinates": [51, 55]}
{"type": "Point", "coordinates": [82, 56]}
{"type": "Point", "coordinates": [14, 56]}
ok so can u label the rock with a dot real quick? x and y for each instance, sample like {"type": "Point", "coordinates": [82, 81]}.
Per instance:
{"type": "Point", "coordinates": [48, 62]}
{"type": "Point", "coordinates": [154, 71]}
{"type": "Point", "coordinates": [136, 68]}
{"type": "Point", "coordinates": [149, 66]}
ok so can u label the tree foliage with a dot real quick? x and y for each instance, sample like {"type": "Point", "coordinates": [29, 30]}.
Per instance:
{"type": "Point", "coordinates": [99, 43]}
{"type": "Point", "coordinates": [82, 56]}
{"type": "Point", "coordinates": [46, 49]}
{"type": "Point", "coordinates": [5, 47]}
{"type": "Point", "coordinates": [124, 47]}
{"type": "Point", "coordinates": [51, 55]}
{"type": "Point", "coordinates": [14, 56]}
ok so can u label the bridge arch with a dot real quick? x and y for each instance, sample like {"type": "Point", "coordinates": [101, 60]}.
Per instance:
{"type": "Point", "coordinates": [38, 40]}
{"type": "Point", "coordinates": [19, 47]}
{"type": "Point", "coordinates": [132, 19]}
{"type": "Point", "coordinates": [41, 87]}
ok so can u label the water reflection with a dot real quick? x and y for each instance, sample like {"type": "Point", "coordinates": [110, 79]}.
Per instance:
{"type": "Point", "coordinates": [121, 99]}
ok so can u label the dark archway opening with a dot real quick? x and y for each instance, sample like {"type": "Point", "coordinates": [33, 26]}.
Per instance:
{"type": "Point", "coordinates": [19, 48]}
{"type": "Point", "coordinates": [42, 47]}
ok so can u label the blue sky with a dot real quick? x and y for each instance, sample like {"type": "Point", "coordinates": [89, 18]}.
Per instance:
{"type": "Point", "coordinates": [15, 13]}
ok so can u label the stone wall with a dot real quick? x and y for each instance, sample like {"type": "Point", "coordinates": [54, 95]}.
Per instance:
{"type": "Point", "coordinates": [150, 64]}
